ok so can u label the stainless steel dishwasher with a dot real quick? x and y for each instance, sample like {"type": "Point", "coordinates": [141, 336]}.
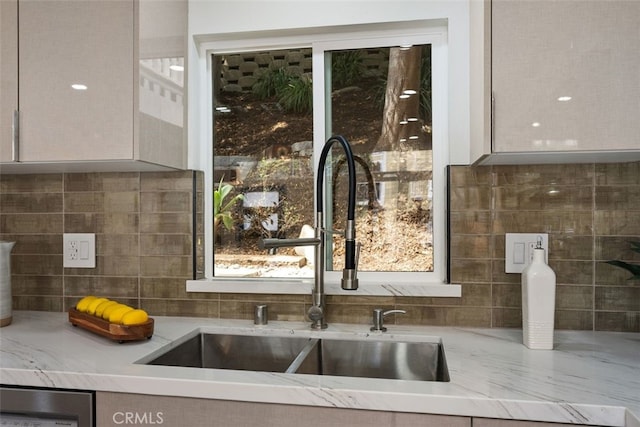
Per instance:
{"type": "Point", "coordinates": [46, 407]}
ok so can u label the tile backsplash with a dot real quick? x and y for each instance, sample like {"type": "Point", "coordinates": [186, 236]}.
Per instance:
{"type": "Point", "coordinates": [143, 224]}
{"type": "Point", "coordinates": [145, 252]}
{"type": "Point", "coordinates": [590, 212]}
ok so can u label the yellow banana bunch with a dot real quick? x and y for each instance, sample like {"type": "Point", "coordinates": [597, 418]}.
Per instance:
{"type": "Point", "coordinates": [112, 311]}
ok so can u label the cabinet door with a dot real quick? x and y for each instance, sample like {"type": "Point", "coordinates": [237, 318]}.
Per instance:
{"type": "Point", "coordinates": [63, 43]}
{"type": "Point", "coordinates": [566, 75]}
{"type": "Point", "coordinates": [490, 422]}
{"type": "Point", "coordinates": [162, 49]}
{"type": "Point", "coordinates": [8, 75]}
{"type": "Point", "coordinates": [114, 409]}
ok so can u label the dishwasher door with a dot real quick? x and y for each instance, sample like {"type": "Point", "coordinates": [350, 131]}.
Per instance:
{"type": "Point", "coordinates": [46, 406]}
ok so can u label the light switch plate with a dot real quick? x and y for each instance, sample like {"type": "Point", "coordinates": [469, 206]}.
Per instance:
{"type": "Point", "coordinates": [519, 247]}
{"type": "Point", "coordinates": [79, 250]}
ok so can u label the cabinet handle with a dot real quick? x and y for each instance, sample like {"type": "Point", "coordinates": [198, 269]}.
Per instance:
{"type": "Point", "coordinates": [493, 122]}
{"type": "Point", "coordinates": [15, 136]}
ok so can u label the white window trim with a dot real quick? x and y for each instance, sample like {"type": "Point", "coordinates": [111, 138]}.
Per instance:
{"type": "Point", "coordinates": [371, 283]}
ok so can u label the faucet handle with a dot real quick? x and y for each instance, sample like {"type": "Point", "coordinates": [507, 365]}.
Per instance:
{"type": "Point", "coordinates": [378, 318]}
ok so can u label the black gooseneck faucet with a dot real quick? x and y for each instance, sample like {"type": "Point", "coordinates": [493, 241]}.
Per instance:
{"type": "Point", "coordinates": [349, 280]}
{"type": "Point", "coordinates": [349, 273]}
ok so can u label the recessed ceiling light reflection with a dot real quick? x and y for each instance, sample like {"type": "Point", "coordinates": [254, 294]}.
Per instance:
{"type": "Point", "coordinates": [564, 98]}
{"type": "Point", "coordinates": [409, 92]}
{"type": "Point", "coordinates": [412, 119]}
{"type": "Point", "coordinates": [403, 139]}
{"type": "Point", "coordinates": [405, 46]}
{"type": "Point", "coordinates": [535, 124]}
{"type": "Point", "coordinates": [413, 137]}
{"type": "Point", "coordinates": [79, 86]}
{"type": "Point", "coordinates": [176, 67]}
{"type": "Point", "coordinates": [404, 96]}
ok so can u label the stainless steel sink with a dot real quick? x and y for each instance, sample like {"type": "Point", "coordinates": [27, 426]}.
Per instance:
{"type": "Point", "coordinates": [419, 361]}
{"type": "Point", "coordinates": [367, 358]}
{"type": "Point", "coordinates": [241, 352]}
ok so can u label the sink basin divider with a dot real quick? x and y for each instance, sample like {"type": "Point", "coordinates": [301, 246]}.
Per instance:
{"type": "Point", "coordinates": [302, 356]}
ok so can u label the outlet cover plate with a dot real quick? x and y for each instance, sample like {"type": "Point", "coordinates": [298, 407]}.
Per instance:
{"type": "Point", "coordinates": [518, 250]}
{"type": "Point", "coordinates": [79, 250]}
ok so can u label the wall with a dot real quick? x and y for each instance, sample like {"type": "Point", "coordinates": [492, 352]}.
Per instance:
{"type": "Point", "coordinates": [591, 216]}
{"type": "Point", "coordinates": [143, 224]}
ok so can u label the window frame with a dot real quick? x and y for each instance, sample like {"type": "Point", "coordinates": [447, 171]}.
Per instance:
{"type": "Point", "coordinates": [432, 32]}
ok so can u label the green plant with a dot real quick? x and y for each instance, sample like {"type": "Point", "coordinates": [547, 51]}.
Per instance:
{"type": "Point", "coordinates": [271, 83]}
{"type": "Point", "coordinates": [294, 92]}
{"type": "Point", "coordinates": [297, 96]}
{"type": "Point", "coordinates": [634, 269]}
{"type": "Point", "coordinates": [222, 211]}
{"type": "Point", "coordinates": [347, 68]}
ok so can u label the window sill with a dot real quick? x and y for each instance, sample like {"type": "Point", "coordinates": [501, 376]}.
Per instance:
{"type": "Point", "coordinates": [304, 287]}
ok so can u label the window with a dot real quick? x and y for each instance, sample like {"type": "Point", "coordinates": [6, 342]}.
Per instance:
{"type": "Point", "coordinates": [262, 153]}
{"type": "Point", "coordinates": [393, 153]}
{"type": "Point", "coordinates": [386, 93]}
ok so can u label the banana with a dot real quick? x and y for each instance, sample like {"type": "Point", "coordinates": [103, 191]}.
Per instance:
{"type": "Point", "coordinates": [116, 315]}
{"type": "Point", "coordinates": [135, 317]}
{"type": "Point", "coordinates": [91, 309]}
{"type": "Point", "coordinates": [110, 309]}
{"type": "Point", "coordinates": [102, 307]}
{"type": "Point", "coordinates": [83, 304]}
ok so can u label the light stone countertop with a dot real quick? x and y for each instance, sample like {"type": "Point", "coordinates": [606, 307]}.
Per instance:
{"type": "Point", "coordinates": [589, 378]}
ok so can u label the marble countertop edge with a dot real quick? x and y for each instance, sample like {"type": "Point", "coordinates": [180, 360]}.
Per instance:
{"type": "Point", "coordinates": [591, 378]}
{"type": "Point", "coordinates": [305, 394]}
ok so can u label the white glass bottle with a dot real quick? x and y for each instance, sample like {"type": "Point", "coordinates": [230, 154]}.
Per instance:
{"type": "Point", "coordinates": [538, 302]}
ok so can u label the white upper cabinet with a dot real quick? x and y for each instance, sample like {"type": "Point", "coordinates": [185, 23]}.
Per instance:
{"type": "Point", "coordinates": [565, 79]}
{"type": "Point", "coordinates": [76, 80]}
{"type": "Point", "coordinates": [88, 99]}
{"type": "Point", "coordinates": [8, 75]}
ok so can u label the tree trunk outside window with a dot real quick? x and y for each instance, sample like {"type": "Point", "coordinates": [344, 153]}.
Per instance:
{"type": "Point", "coordinates": [403, 74]}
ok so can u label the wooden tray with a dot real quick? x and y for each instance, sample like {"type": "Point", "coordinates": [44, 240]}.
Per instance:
{"type": "Point", "coordinates": [120, 333]}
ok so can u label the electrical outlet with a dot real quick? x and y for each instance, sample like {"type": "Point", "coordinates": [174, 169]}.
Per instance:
{"type": "Point", "coordinates": [73, 250]}
{"type": "Point", "coordinates": [79, 250]}
{"type": "Point", "coordinates": [519, 250]}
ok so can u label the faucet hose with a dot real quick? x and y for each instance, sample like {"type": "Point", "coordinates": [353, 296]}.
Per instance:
{"type": "Point", "coordinates": [351, 208]}
{"type": "Point", "coordinates": [350, 243]}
